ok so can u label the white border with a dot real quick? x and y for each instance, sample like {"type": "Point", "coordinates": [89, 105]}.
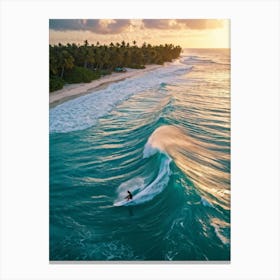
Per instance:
{"type": "Point", "coordinates": [255, 138]}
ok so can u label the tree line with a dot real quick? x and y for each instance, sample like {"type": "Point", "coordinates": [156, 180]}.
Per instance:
{"type": "Point", "coordinates": [74, 63]}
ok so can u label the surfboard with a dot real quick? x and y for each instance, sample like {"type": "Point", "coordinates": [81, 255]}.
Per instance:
{"type": "Point", "coordinates": [122, 202]}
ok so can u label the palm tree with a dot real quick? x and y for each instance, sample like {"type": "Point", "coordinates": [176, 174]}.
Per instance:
{"type": "Point", "coordinates": [52, 61]}
{"type": "Point", "coordinates": [88, 55]}
{"type": "Point", "coordinates": [65, 61]}
{"type": "Point", "coordinates": [101, 57]}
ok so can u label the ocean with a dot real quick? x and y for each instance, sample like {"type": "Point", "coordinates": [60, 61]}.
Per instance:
{"type": "Point", "coordinates": [164, 135]}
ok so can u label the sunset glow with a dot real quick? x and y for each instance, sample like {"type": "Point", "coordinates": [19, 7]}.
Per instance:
{"type": "Point", "coordinates": [188, 33]}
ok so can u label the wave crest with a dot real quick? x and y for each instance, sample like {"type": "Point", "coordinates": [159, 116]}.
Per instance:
{"type": "Point", "coordinates": [142, 188]}
{"type": "Point", "coordinates": [196, 159]}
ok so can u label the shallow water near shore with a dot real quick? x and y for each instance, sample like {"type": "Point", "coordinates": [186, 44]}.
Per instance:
{"type": "Point", "coordinates": [165, 136]}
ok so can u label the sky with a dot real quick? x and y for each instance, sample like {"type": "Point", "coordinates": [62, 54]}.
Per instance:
{"type": "Point", "coordinates": [188, 33]}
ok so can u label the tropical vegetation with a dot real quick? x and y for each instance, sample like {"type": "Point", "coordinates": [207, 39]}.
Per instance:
{"type": "Point", "coordinates": [74, 63]}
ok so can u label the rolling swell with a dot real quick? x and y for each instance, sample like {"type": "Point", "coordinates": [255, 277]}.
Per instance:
{"type": "Point", "coordinates": [168, 143]}
{"type": "Point", "coordinates": [191, 156]}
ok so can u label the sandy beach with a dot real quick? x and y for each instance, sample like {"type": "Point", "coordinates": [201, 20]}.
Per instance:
{"type": "Point", "coordinates": [71, 91]}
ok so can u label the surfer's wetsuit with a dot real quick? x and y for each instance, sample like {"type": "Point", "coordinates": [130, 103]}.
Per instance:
{"type": "Point", "coordinates": [129, 196]}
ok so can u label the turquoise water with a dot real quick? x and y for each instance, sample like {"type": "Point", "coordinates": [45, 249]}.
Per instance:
{"type": "Point", "coordinates": [165, 136]}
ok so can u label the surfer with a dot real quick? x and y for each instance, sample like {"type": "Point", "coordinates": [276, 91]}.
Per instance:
{"type": "Point", "coordinates": [129, 196]}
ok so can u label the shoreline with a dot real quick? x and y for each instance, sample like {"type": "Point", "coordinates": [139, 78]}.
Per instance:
{"type": "Point", "coordinates": [71, 91]}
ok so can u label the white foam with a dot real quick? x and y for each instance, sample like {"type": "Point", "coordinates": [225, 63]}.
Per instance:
{"type": "Point", "coordinates": [196, 59]}
{"type": "Point", "coordinates": [205, 202]}
{"type": "Point", "coordinates": [141, 190]}
{"type": "Point", "coordinates": [83, 112]}
{"type": "Point", "coordinates": [149, 150]}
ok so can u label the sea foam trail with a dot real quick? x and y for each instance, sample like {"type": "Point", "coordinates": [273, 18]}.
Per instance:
{"type": "Point", "coordinates": [84, 111]}
{"type": "Point", "coordinates": [142, 189]}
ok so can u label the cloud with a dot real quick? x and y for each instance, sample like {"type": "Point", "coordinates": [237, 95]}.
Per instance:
{"type": "Point", "coordinates": [100, 26]}
{"type": "Point", "coordinates": [197, 24]}
{"type": "Point", "coordinates": [65, 24]}
{"type": "Point", "coordinates": [156, 23]}
{"type": "Point", "coordinates": [116, 26]}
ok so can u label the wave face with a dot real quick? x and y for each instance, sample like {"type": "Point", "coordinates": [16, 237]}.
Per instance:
{"type": "Point", "coordinates": [164, 136]}
{"type": "Point", "coordinates": [143, 188]}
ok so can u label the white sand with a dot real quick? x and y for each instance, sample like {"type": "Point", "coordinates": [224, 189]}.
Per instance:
{"type": "Point", "coordinates": [73, 90]}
